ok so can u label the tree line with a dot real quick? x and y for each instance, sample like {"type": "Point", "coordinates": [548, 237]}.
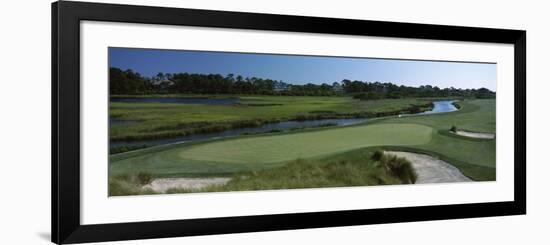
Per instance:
{"type": "Point", "coordinates": [128, 82]}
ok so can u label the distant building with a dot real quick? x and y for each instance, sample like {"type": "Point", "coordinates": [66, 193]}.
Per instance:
{"type": "Point", "coordinates": [280, 87]}
{"type": "Point", "coordinates": [165, 85]}
{"type": "Point", "coordinates": [336, 87]}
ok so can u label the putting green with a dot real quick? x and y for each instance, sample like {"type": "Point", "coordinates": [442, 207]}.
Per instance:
{"type": "Point", "coordinates": [260, 152]}
{"type": "Point", "coordinates": [280, 148]}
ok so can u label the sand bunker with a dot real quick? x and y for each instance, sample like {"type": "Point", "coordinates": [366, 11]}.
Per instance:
{"type": "Point", "coordinates": [475, 134]}
{"type": "Point", "coordinates": [192, 184]}
{"type": "Point", "coordinates": [431, 169]}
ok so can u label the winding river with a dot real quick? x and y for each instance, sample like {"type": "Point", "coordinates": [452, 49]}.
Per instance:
{"type": "Point", "coordinates": [439, 107]}
{"type": "Point", "coordinates": [240, 131]}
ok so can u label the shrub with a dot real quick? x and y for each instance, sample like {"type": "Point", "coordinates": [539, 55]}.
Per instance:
{"type": "Point", "coordinates": [144, 178]}
{"type": "Point", "coordinates": [415, 109]}
{"type": "Point", "coordinates": [453, 129]}
{"type": "Point", "coordinates": [457, 105]}
{"type": "Point", "coordinates": [400, 168]}
{"type": "Point", "coordinates": [301, 117]}
{"type": "Point", "coordinates": [377, 155]}
{"type": "Point", "coordinates": [130, 184]}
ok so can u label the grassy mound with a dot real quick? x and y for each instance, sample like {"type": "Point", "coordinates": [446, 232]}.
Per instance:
{"type": "Point", "coordinates": [362, 167]}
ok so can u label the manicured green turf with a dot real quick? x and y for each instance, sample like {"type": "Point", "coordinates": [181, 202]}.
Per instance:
{"type": "Point", "coordinates": [260, 152]}
{"type": "Point", "coordinates": [425, 134]}
{"type": "Point", "coordinates": [158, 120]}
{"type": "Point", "coordinates": [279, 148]}
{"type": "Point", "coordinates": [475, 115]}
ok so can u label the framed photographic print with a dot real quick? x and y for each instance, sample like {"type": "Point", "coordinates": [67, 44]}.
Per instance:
{"type": "Point", "coordinates": [176, 122]}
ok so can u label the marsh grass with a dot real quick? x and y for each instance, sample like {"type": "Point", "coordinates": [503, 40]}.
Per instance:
{"type": "Point", "coordinates": [377, 155]}
{"type": "Point", "coordinates": [160, 121]}
{"type": "Point", "coordinates": [355, 168]}
{"type": "Point", "coordinates": [400, 168]}
{"type": "Point", "coordinates": [301, 173]}
{"type": "Point", "coordinates": [130, 184]}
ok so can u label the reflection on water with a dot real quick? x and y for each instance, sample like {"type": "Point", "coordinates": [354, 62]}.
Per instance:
{"type": "Point", "coordinates": [441, 106]}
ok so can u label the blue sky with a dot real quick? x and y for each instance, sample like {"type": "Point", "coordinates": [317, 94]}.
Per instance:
{"type": "Point", "coordinates": [298, 69]}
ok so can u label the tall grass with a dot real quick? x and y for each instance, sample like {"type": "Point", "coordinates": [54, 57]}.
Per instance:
{"type": "Point", "coordinates": [363, 167]}
{"type": "Point", "coordinates": [377, 155]}
{"type": "Point", "coordinates": [166, 127]}
{"type": "Point", "coordinates": [309, 174]}
{"type": "Point", "coordinates": [204, 127]}
{"type": "Point", "coordinates": [398, 167]}
{"type": "Point", "coordinates": [130, 184]}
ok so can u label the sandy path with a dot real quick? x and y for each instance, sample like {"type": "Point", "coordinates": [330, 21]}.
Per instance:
{"type": "Point", "coordinates": [430, 169]}
{"type": "Point", "coordinates": [164, 184]}
{"type": "Point", "coordinates": [475, 134]}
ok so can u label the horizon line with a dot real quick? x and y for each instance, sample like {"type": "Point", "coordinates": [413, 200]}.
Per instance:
{"type": "Point", "coordinates": [294, 84]}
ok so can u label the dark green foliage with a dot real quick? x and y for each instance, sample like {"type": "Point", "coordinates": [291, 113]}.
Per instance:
{"type": "Point", "coordinates": [376, 90]}
{"type": "Point", "coordinates": [377, 155]}
{"type": "Point", "coordinates": [457, 105]}
{"type": "Point", "coordinates": [129, 82]}
{"type": "Point", "coordinates": [310, 174]}
{"type": "Point", "coordinates": [453, 129]}
{"type": "Point", "coordinates": [400, 168]}
{"type": "Point", "coordinates": [483, 93]}
{"type": "Point", "coordinates": [144, 178]}
{"type": "Point", "coordinates": [126, 82]}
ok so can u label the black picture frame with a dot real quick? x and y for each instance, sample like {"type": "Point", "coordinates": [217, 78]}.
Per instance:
{"type": "Point", "coordinates": [66, 18]}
